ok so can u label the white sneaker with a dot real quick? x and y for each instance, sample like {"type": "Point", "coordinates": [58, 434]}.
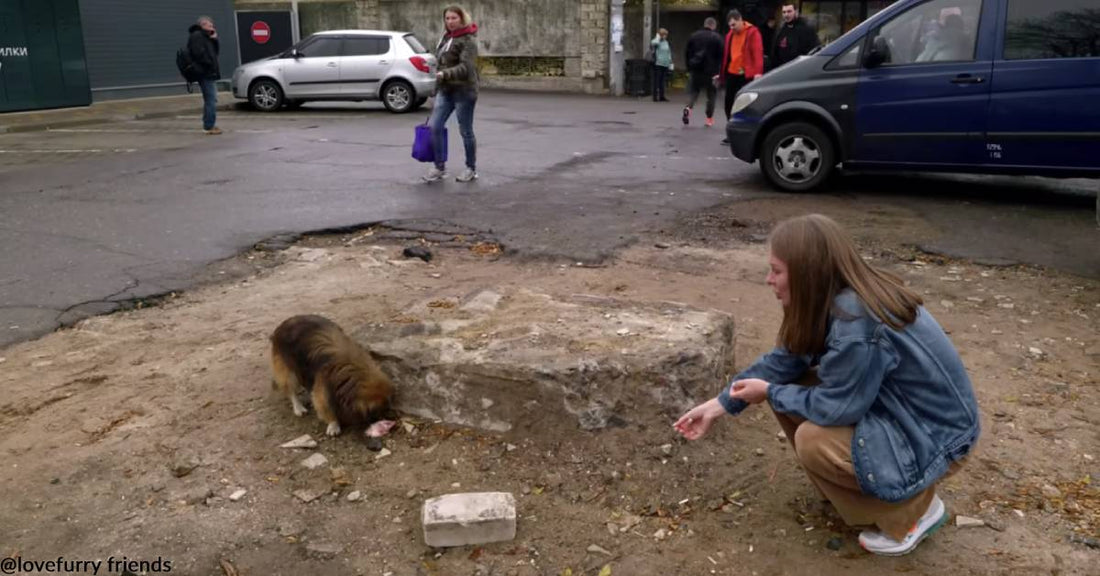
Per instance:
{"type": "Point", "coordinates": [876, 542]}
{"type": "Point", "coordinates": [434, 175]}
{"type": "Point", "coordinates": [467, 176]}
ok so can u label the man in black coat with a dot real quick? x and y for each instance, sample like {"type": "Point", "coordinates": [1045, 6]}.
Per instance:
{"type": "Point", "coordinates": [704, 62]}
{"type": "Point", "coordinates": [203, 47]}
{"type": "Point", "coordinates": [793, 39]}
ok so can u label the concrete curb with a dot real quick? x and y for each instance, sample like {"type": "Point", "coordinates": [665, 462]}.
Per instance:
{"type": "Point", "coordinates": [76, 122]}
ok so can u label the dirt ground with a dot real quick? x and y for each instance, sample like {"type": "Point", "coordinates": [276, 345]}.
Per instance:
{"type": "Point", "coordinates": [126, 434]}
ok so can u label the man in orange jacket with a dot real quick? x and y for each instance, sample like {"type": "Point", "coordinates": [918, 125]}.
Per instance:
{"type": "Point", "coordinates": [742, 60]}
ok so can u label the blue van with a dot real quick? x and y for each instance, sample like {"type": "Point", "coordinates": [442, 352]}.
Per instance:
{"type": "Point", "coordinates": [978, 86]}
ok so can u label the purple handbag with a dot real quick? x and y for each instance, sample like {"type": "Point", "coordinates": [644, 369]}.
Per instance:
{"type": "Point", "coordinates": [422, 144]}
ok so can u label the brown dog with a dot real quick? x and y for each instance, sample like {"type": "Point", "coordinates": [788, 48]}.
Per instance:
{"type": "Point", "coordinates": [345, 384]}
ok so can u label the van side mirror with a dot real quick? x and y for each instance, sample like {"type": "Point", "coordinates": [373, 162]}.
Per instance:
{"type": "Point", "coordinates": [295, 54]}
{"type": "Point", "coordinates": [879, 53]}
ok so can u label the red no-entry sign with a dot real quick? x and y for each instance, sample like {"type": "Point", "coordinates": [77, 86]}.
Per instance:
{"type": "Point", "coordinates": [261, 32]}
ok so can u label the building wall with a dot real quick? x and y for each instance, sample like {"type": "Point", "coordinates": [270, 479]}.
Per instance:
{"type": "Point", "coordinates": [131, 46]}
{"type": "Point", "coordinates": [537, 44]}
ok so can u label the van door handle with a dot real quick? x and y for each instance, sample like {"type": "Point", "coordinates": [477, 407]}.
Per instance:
{"type": "Point", "coordinates": [331, 64]}
{"type": "Point", "coordinates": [383, 62]}
{"type": "Point", "coordinates": [967, 79]}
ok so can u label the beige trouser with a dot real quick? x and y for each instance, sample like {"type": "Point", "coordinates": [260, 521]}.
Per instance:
{"type": "Point", "coordinates": [826, 455]}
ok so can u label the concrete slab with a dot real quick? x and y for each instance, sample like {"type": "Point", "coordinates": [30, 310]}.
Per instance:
{"type": "Point", "coordinates": [498, 361]}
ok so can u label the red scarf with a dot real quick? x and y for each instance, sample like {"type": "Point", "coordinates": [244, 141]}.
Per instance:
{"type": "Point", "coordinates": [471, 29]}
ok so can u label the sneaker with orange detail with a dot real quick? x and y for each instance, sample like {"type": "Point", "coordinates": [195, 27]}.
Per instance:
{"type": "Point", "coordinates": [710, 122]}
{"type": "Point", "coordinates": [877, 542]}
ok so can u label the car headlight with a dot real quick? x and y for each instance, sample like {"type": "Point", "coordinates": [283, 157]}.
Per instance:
{"type": "Point", "coordinates": [743, 101]}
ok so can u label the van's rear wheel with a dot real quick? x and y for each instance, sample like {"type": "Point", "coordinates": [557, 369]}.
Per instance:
{"type": "Point", "coordinates": [797, 157]}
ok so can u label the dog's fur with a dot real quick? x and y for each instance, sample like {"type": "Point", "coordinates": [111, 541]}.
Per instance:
{"type": "Point", "coordinates": [346, 386]}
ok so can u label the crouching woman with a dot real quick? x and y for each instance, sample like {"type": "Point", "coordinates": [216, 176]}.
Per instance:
{"type": "Point", "coordinates": [864, 382]}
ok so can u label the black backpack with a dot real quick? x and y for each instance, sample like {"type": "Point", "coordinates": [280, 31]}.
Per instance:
{"type": "Point", "coordinates": [187, 67]}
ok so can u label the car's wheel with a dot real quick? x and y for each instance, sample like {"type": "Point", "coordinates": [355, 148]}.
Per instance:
{"type": "Point", "coordinates": [420, 102]}
{"type": "Point", "coordinates": [265, 95]}
{"type": "Point", "coordinates": [398, 96]}
{"type": "Point", "coordinates": [797, 156]}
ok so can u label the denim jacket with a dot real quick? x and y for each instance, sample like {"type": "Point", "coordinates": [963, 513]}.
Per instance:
{"type": "Point", "coordinates": [905, 391]}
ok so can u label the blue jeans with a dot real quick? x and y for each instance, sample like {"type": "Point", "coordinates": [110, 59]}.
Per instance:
{"type": "Point", "coordinates": [209, 103]}
{"type": "Point", "coordinates": [446, 103]}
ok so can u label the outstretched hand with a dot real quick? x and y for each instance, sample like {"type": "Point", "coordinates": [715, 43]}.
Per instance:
{"type": "Point", "coordinates": [695, 424]}
{"type": "Point", "coordinates": [752, 390]}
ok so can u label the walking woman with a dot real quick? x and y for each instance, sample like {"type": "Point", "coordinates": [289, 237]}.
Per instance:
{"type": "Point", "coordinates": [457, 90]}
{"type": "Point", "coordinates": [662, 64]}
{"type": "Point", "coordinates": [866, 385]}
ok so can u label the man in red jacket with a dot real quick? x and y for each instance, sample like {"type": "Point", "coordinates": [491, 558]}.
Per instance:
{"type": "Point", "coordinates": [742, 60]}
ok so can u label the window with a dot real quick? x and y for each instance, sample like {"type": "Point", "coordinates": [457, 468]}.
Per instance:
{"type": "Point", "coordinates": [415, 44]}
{"type": "Point", "coordinates": [936, 31]}
{"type": "Point", "coordinates": [362, 46]}
{"type": "Point", "coordinates": [849, 59]}
{"type": "Point", "coordinates": [1052, 29]}
{"type": "Point", "coordinates": [320, 47]}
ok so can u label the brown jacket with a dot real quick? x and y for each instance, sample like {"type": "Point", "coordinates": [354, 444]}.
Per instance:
{"type": "Point", "coordinates": [457, 54]}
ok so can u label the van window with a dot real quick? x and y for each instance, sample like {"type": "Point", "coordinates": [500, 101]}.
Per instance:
{"type": "Point", "coordinates": [936, 31]}
{"type": "Point", "coordinates": [1052, 29]}
{"type": "Point", "coordinates": [849, 59]}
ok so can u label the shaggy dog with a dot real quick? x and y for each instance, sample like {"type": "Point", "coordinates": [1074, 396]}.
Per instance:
{"type": "Point", "coordinates": [344, 383]}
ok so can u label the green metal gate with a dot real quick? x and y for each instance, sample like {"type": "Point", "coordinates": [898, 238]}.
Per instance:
{"type": "Point", "coordinates": [42, 62]}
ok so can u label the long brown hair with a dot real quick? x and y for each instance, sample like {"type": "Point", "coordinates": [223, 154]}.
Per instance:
{"type": "Point", "coordinates": [821, 261]}
{"type": "Point", "coordinates": [463, 14]}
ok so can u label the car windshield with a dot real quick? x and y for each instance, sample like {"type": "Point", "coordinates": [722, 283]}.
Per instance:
{"type": "Point", "coordinates": [415, 44]}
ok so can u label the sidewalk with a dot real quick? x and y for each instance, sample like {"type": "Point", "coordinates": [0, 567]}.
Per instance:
{"type": "Point", "coordinates": [112, 110]}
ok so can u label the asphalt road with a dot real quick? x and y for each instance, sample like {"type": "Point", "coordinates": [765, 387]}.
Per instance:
{"type": "Point", "coordinates": [99, 214]}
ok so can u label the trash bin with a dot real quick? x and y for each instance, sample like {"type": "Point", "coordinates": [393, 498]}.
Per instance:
{"type": "Point", "coordinates": [639, 77]}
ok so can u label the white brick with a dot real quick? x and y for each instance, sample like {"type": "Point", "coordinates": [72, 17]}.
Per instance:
{"type": "Point", "coordinates": [471, 518]}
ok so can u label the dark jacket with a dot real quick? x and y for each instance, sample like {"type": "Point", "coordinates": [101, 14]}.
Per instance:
{"type": "Point", "coordinates": [791, 41]}
{"type": "Point", "coordinates": [457, 54]}
{"type": "Point", "coordinates": [704, 53]}
{"type": "Point", "coordinates": [204, 53]}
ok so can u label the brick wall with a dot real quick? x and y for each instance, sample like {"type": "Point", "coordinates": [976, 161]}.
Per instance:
{"type": "Point", "coordinates": [594, 31]}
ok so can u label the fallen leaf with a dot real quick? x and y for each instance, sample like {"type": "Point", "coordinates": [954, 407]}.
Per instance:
{"type": "Point", "coordinates": [567, 572]}
{"type": "Point", "coordinates": [606, 570]}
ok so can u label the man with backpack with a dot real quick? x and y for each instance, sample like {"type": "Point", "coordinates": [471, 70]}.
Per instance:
{"type": "Point", "coordinates": [704, 62]}
{"type": "Point", "coordinates": [203, 49]}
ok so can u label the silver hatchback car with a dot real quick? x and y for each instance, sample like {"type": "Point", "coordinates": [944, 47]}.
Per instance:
{"type": "Point", "coordinates": [357, 65]}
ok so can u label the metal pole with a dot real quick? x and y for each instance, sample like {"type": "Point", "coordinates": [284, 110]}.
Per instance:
{"type": "Point", "coordinates": [615, 53]}
{"type": "Point", "coordinates": [647, 24]}
{"type": "Point", "coordinates": [295, 27]}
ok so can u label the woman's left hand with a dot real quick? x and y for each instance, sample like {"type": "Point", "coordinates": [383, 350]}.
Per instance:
{"type": "Point", "coordinates": [753, 390]}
